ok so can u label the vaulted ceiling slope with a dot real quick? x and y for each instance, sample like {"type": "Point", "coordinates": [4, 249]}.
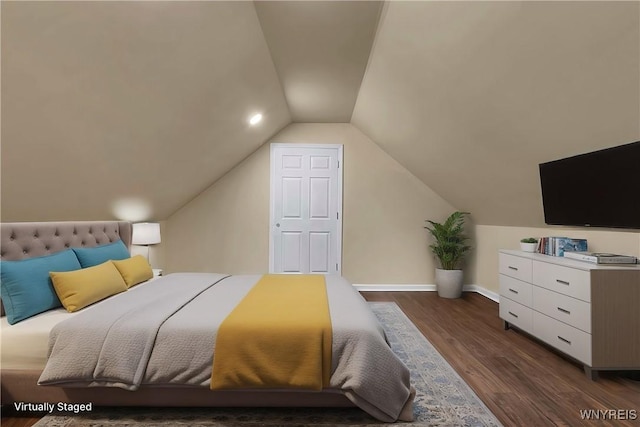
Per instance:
{"type": "Point", "coordinates": [149, 101]}
{"type": "Point", "coordinates": [471, 96]}
{"type": "Point", "coordinates": [132, 105]}
{"type": "Point", "coordinates": [320, 50]}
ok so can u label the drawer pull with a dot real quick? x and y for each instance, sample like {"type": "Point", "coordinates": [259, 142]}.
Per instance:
{"type": "Point", "coordinates": [563, 339]}
{"type": "Point", "coordinates": [513, 290]}
{"type": "Point", "coordinates": [514, 315]}
{"type": "Point", "coordinates": [564, 311]}
{"type": "Point", "coordinates": [513, 268]}
{"type": "Point", "coordinates": [564, 282]}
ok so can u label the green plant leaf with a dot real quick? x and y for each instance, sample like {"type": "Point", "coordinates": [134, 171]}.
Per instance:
{"type": "Point", "coordinates": [449, 240]}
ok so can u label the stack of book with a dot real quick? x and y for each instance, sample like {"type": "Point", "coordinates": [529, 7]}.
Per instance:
{"type": "Point", "coordinates": [557, 246]}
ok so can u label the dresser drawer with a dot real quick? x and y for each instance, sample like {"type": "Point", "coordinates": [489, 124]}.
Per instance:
{"type": "Point", "coordinates": [516, 290]}
{"type": "Point", "coordinates": [567, 309]}
{"type": "Point", "coordinates": [564, 280]}
{"type": "Point", "coordinates": [565, 338]}
{"type": "Point", "coordinates": [516, 267]}
{"type": "Point", "coordinates": [516, 313]}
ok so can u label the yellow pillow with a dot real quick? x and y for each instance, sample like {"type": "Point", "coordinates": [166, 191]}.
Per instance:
{"type": "Point", "coordinates": [134, 270]}
{"type": "Point", "coordinates": [80, 288]}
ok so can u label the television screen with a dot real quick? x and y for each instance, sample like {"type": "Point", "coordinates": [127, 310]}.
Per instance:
{"type": "Point", "coordinates": [599, 189]}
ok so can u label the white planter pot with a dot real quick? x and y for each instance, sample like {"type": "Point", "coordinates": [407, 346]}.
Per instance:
{"type": "Point", "coordinates": [449, 283]}
{"type": "Point", "coordinates": [528, 247]}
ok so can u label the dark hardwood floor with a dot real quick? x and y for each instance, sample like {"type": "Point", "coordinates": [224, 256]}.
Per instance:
{"type": "Point", "coordinates": [10, 419]}
{"type": "Point", "coordinates": [522, 381]}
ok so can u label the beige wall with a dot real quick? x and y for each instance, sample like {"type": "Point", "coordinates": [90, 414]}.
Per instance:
{"type": "Point", "coordinates": [226, 228]}
{"type": "Point", "coordinates": [157, 252]}
{"type": "Point", "coordinates": [489, 239]}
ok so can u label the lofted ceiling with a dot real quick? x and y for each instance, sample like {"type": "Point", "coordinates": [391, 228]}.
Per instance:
{"type": "Point", "coordinates": [109, 103]}
{"type": "Point", "coordinates": [320, 50]}
{"type": "Point", "coordinates": [471, 96]}
{"type": "Point", "coordinates": [135, 104]}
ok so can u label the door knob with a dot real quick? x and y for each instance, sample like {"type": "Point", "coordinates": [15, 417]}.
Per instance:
{"type": "Point", "coordinates": [277, 224]}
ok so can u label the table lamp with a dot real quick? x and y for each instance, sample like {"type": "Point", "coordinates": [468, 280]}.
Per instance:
{"type": "Point", "coordinates": [145, 234]}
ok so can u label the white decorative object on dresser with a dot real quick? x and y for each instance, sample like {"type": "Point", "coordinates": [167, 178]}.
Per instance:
{"type": "Point", "coordinates": [589, 312]}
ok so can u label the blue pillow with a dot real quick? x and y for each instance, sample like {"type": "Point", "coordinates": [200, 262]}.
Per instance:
{"type": "Point", "coordinates": [90, 257]}
{"type": "Point", "coordinates": [25, 285]}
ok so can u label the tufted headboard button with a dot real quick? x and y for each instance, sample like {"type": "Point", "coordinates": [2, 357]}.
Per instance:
{"type": "Point", "coordinates": [26, 240]}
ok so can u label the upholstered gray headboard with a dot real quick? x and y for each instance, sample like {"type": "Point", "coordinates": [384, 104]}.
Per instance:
{"type": "Point", "coordinates": [21, 240]}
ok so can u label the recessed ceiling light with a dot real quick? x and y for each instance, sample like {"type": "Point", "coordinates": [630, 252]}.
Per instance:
{"type": "Point", "coordinates": [255, 119]}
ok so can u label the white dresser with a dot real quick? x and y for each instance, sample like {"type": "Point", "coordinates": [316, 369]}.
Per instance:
{"type": "Point", "coordinates": [589, 312]}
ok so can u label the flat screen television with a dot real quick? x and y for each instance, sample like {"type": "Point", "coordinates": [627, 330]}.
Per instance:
{"type": "Point", "coordinates": [598, 189]}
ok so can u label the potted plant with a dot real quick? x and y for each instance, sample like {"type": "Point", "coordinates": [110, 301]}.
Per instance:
{"type": "Point", "coordinates": [528, 244]}
{"type": "Point", "coordinates": [449, 247]}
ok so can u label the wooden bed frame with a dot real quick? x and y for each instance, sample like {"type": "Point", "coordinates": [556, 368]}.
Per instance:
{"type": "Point", "coordinates": [27, 240]}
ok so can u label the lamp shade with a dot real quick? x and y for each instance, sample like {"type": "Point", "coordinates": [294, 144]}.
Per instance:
{"type": "Point", "coordinates": [146, 233]}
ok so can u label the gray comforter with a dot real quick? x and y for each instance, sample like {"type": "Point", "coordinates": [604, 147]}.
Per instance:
{"type": "Point", "coordinates": [164, 332]}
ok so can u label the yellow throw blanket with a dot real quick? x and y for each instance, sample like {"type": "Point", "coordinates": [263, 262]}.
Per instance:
{"type": "Point", "coordinates": [279, 336]}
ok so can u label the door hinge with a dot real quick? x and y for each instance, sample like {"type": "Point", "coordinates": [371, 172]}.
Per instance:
{"type": "Point", "coordinates": [337, 215]}
{"type": "Point", "coordinates": [338, 164]}
{"type": "Point", "coordinates": [336, 266]}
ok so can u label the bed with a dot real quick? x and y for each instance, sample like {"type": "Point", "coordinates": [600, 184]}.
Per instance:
{"type": "Point", "coordinates": [364, 371]}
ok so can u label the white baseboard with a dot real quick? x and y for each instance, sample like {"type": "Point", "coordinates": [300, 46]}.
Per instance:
{"type": "Point", "coordinates": [482, 291]}
{"type": "Point", "coordinates": [395, 288]}
{"type": "Point", "coordinates": [423, 288]}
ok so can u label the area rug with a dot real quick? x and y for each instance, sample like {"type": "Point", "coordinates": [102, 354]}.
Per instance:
{"type": "Point", "coordinates": [442, 397]}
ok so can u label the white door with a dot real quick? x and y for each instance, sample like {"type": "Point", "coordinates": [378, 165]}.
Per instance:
{"type": "Point", "coordinates": [306, 209]}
